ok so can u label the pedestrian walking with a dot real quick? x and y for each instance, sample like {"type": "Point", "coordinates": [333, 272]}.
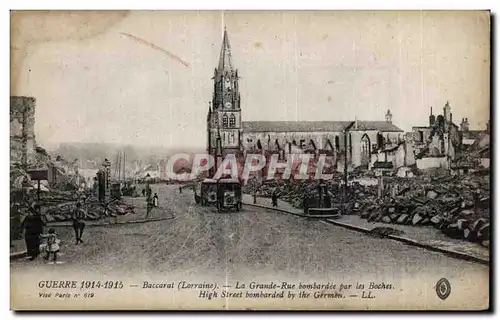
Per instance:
{"type": "Point", "coordinates": [274, 199]}
{"type": "Point", "coordinates": [52, 245]}
{"type": "Point", "coordinates": [78, 224]}
{"type": "Point", "coordinates": [155, 200]}
{"type": "Point", "coordinates": [33, 228]}
{"type": "Point", "coordinates": [149, 206]}
{"type": "Point", "coordinates": [255, 197]}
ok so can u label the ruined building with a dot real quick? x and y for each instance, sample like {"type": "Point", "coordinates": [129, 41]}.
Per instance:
{"type": "Point", "coordinates": [439, 143]}
{"type": "Point", "coordinates": [225, 125]}
{"type": "Point", "coordinates": [22, 130]}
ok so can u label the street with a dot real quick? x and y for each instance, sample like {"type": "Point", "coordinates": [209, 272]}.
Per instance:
{"type": "Point", "coordinates": [200, 240]}
{"type": "Point", "coordinates": [261, 245]}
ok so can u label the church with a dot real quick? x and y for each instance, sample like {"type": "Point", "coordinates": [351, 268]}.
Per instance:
{"type": "Point", "coordinates": [228, 134]}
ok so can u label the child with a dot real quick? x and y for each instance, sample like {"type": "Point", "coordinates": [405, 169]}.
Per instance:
{"type": "Point", "coordinates": [52, 244]}
{"type": "Point", "coordinates": [155, 200]}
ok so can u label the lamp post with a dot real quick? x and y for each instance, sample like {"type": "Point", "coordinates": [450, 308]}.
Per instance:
{"type": "Point", "coordinates": [107, 165]}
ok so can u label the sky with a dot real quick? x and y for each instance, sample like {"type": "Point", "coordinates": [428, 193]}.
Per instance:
{"type": "Point", "coordinates": [94, 84]}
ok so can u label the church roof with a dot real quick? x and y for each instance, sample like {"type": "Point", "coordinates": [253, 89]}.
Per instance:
{"type": "Point", "coordinates": [225, 62]}
{"type": "Point", "coordinates": [316, 126]}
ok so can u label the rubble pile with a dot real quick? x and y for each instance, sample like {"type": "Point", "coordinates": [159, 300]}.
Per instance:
{"type": "Point", "coordinates": [59, 211]}
{"type": "Point", "coordinates": [291, 191]}
{"type": "Point", "coordinates": [457, 205]}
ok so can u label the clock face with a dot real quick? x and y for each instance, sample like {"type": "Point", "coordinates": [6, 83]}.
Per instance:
{"type": "Point", "coordinates": [227, 105]}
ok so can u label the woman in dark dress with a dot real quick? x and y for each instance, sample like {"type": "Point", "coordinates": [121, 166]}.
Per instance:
{"type": "Point", "coordinates": [33, 228]}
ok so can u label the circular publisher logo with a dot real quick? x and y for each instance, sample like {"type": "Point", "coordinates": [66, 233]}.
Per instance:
{"type": "Point", "coordinates": [443, 288]}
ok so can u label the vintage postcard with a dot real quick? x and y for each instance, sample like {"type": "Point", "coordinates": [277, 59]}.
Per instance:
{"type": "Point", "coordinates": [250, 160]}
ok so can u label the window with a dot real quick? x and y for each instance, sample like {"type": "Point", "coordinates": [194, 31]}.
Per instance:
{"type": "Point", "coordinates": [224, 121]}
{"type": "Point", "coordinates": [302, 143]}
{"type": "Point", "coordinates": [259, 145]}
{"type": "Point", "coordinates": [312, 144]}
{"type": "Point", "coordinates": [337, 143]}
{"type": "Point", "coordinates": [232, 121]}
{"type": "Point", "coordinates": [231, 138]}
{"type": "Point", "coordinates": [365, 150]}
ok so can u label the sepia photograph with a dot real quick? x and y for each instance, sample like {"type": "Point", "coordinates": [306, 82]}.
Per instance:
{"type": "Point", "coordinates": [250, 160]}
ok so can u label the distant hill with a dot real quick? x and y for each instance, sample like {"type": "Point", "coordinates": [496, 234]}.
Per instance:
{"type": "Point", "coordinates": [91, 151]}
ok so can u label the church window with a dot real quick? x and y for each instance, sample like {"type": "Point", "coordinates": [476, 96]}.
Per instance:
{"type": "Point", "coordinates": [281, 154]}
{"type": "Point", "coordinates": [365, 150]}
{"type": "Point", "coordinates": [231, 138]}
{"type": "Point", "coordinates": [232, 121]}
{"type": "Point", "coordinates": [294, 142]}
{"type": "Point", "coordinates": [216, 120]}
{"type": "Point", "coordinates": [329, 145]}
{"type": "Point", "coordinates": [337, 143]}
{"type": "Point", "coordinates": [312, 144]}
{"type": "Point", "coordinates": [302, 143]}
{"type": "Point", "coordinates": [224, 121]}
{"type": "Point", "coordinates": [259, 145]}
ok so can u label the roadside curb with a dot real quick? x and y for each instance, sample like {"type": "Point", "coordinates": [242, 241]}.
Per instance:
{"type": "Point", "coordinates": [18, 255]}
{"type": "Point", "coordinates": [110, 224]}
{"type": "Point", "coordinates": [22, 254]}
{"type": "Point", "coordinates": [275, 209]}
{"type": "Point", "coordinates": [411, 242]}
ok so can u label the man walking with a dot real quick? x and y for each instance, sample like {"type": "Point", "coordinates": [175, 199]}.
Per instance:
{"type": "Point", "coordinates": [33, 228]}
{"type": "Point", "coordinates": [78, 224]}
{"type": "Point", "coordinates": [274, 198]}
{"type": "Point", "coordinates": [149, 206]}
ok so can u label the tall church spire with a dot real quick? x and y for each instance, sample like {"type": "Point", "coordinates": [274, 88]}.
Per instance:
{"type": "Point", "coordinates": [225, 62]}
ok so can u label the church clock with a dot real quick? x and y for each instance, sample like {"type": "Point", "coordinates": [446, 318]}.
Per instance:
{"type": "Point", "coordinates": [227, 105]}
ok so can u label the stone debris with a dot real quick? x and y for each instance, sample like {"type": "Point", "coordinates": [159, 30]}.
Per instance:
{"type": "Point", "coordinates": [458, 205]}
{"type": "Point", "coordinates": [94, 210]}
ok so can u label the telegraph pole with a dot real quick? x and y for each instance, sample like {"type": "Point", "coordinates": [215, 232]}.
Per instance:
{"type": "Point", "coordinates": [346, 130]}
{"type": "Point", "coordinates": [345, 172]}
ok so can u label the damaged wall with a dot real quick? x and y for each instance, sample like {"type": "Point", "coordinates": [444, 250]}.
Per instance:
{"type": "Point", "coordinates": [22, 129]}
{"type": "Point", "coordinates": [432, 162]}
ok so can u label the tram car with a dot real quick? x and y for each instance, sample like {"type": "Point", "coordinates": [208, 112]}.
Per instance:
{"type": "Point", "coordinates": [224, 194]}
{"type": "Point", "coordinates": [206, 193]}
{"type": "Point", "coordinates": [228, 194]}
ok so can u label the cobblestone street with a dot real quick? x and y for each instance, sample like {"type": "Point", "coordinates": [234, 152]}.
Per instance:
{"type": "Point", "coordinates": [200, 240]}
